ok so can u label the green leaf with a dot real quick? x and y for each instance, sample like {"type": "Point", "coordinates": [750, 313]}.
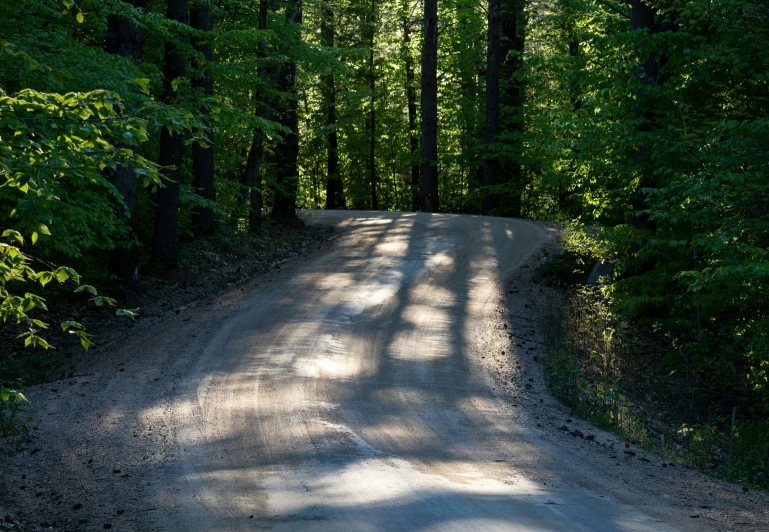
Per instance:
{"type": "Point", "coordinates": [66, 325]}
{"type": "Point", "coordinates": [101, 300]}
{"type": "Point", "coordinates": [84, 339]}
{"type": "Point", "coordinates": [80, 17]}
{"type": "Point", "coordinates": [143, 84]}
{"type": "Point", "coordinates": [45, 277]}
{"type": "Point", "coordinates": [86, 288]}
{"type": "Point", "coordinates": [14, 235]}
{"type": "Point", "coordinates": [63, 274]}
{"type": "Point", "coordinates": [130, 313]}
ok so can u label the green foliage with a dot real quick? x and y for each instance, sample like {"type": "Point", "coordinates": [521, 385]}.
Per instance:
{"type": "Point", "coordinates": [56, 150]}
{"type": "Point", "coordinates": [55, 154]}
{"type": "Point", "coordinates": [22, 307]}
{"type": "Point", "coordinates": [11, 408]}
{"type": "Point", "coordinates": [608, 370]}
{"type": "Point", "coordinates": [666, 177]}
{"type": "Point", "coordinates": [460, 95]}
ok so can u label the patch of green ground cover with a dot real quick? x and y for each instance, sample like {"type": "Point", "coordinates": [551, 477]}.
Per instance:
{"type": "Point", "coordinates": [614, 373]}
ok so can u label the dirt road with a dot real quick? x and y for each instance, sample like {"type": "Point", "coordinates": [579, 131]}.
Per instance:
{"type": "Point", "coordinates": [374, 386]}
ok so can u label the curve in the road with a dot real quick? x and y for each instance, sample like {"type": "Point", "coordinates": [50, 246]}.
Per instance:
{"type": "Point", "coordinates": [352, 396]}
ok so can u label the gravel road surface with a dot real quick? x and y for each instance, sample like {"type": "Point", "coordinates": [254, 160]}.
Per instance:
{"type": "Point", "coordinates": [371, 386]}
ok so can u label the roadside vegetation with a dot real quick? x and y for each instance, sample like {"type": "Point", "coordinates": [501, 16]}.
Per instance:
{"type": "Point", "coordinates": [633, 378]}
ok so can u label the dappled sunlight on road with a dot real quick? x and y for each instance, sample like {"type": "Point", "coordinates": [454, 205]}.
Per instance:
{"type": "Point", "coordinates": [351, 396]}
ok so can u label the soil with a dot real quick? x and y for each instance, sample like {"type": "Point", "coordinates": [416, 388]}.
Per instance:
{"type": "Point", "coordinates": [208, 266]}
{"type": "Point", "coordinates": [58, 474]}
{"type": "Point", "coordinates": [613, 464]}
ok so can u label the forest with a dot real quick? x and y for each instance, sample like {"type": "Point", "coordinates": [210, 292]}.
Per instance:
{"type": "Point", "coordinates": [128, 127]}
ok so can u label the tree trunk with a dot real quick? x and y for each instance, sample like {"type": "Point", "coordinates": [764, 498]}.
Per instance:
{"type": "Point", "coordinates": [253, 176]}
{"type": "Point", "coordinates": [430, 201]}
{"type": "Point", "coordinates": [255, 162]}
{"type": "Point", "coordinates": [124, 38]}
{"type": "Point", "coordinates": [411, 97]}
{"type": "Point", "coordinates": [469, 133]}
{"type": "Point", "coordinates": [512, 24]}
{"type": "Point", "coordinates": [565, 194]}
{"type": "Point", "coordinates": [576, 102]}
{"type": "Point", "coordinates": [203, 219]}
{"type": "Point", "coordinates": [334, 188]}
{"type": "Point", "coordinates": [287, 178]}
{"type": "Point", "coordinates": [493, 63]}
{"type": "Point", "coordinates": [166, 238]}
{"type": "Point", "coordinates": [372, 110]}
{"type": "Point", "coordinates": [643, 16]}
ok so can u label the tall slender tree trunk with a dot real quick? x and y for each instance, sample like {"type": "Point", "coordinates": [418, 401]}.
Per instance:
{"type": "Point", "coordinates": [372, 109]}
{"type": "Point", "coordinates": [471, 129]}
{"type": "Point", "coordinates": [493, 64]}
{"type": "Point", "coordinates": [564, 192]}
{"type": "Point", "coordinates": [334, 188]}
{"type": "Point", "coordinates": [201, 18]}
{"type": "Point", "coordinates": [287, 178]}
{"type": "Point", "coordinates": [512, 29]}
{"type": "Point", "coordinates": [166, 238]}
{"type": "Point", "coordinates": [253, 175]}
{"type": "Point", "coordinates": [430, 202]}
{"type": "Point", "coordinates": [126, 39]}
{"type": "Point", "coordinates": [576, 102]}
{"type": "Point", "coordinates": [644, 16]}
{"type": "Point", "coordinates": [411, 98]}
{"type": "Point", "coordinates": [255, 161]}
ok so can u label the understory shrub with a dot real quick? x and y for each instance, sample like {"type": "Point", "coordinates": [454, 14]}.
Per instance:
{"type": "Point", "coordinates": [622, 376]}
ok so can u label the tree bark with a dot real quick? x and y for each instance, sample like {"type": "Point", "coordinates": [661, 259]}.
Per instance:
{"type": "Point", "coordinates": [287, 178]}
{"type": "Point", "coordinates": [576, 102]}
{"type": "Point", "coordinates": [565, 203]}
{"type": "Point", "coordinates": [644, 16]}
{"type": "Point", "coordinates": [201, 18]}
{"type": "Point", "coordinates": [430, 201]}
{"type": "Point", "coordinates": [411, 98]}
{"type": "Point", "coordinates": [334, 187]}
{"type": "Point", "coordinates": [124, 38]}
{"type": "Point", "coordinates": [512, 24]}
{"type": "Point", "coordinates": [372, 109]}
{"type": "Point", "coordinates": [255, 162]}
{"type": "Point", "coordinates": [493, 64]}
{"type": "Point", "coordinates": [253, 175]}
{"type": "Point", "coordinates": [166, 237]}
{"type": "Point", "coordinates": [470, 133]}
